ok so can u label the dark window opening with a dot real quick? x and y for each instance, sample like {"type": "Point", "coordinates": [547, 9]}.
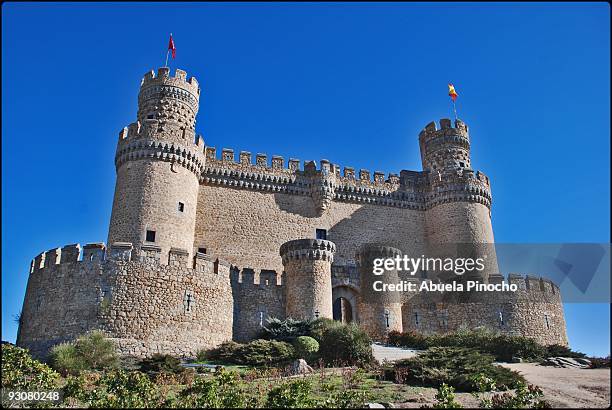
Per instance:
{"type": "Point", "coordinates": [150, 116]}
{"type": "Point", "coordinates": [181, 207]}
{"type": "Point", "coordinates": [150, 237]}
{"type": "Point", "coordinates": [462, 164]}
{"type": "Point", "coordinates": [321, 234]}
{"type": "Point", "coordinates": [201, 250]}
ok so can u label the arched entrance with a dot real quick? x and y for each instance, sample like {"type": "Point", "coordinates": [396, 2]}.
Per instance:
{"type": "Point", "coordinates": [344, 304]}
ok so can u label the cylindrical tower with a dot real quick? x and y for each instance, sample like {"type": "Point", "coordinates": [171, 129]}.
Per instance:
{"type": "Point", "coordinates": [159, 162]}
{"type": "Point", "coordinates": [307, 278]}
{"type": "Point", "coordinates": [458, 204]}
{"type": "Point", "coordinates": [380, 309]}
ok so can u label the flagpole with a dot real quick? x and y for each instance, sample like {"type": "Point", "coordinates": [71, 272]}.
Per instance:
{"type": "Point", "coordinates": [455, 110]}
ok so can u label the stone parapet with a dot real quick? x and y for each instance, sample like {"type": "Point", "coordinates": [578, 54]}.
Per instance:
{"type": "Point", "coordinates": [191, 158]}
{"type": "Point", "coordinates": [308, 249]}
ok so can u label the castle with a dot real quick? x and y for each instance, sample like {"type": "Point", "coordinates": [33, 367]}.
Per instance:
{"type": "Point", "coordinates": [203, 248]}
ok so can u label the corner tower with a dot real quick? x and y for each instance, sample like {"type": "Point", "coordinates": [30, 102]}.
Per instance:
{"type": "Point", "coordinates": [159, 161]}
{"type": "Point", "coordinates": [458, 204]}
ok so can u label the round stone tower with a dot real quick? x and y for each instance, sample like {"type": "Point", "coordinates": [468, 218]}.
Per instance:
{"type": "Point", "coordinates": [307, 278]}
{"type": "Point", "coordinates": [380, 310]}
{"type": "Point", "coordinates": [458, 205]}
{"type": "Point", "coordinates": [159, 162]}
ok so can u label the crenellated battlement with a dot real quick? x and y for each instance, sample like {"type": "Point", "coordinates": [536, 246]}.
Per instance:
{"type": "Point", "coordinates": [98, 253]}
{"type": "Point", "coordinates": [189, 157]}
{"type": "Point", "coordinates": [163, 77]}
{"type": "Point", "coordinates": [446, 129]}
{"type": "Point", "coordinates": [312, 249]}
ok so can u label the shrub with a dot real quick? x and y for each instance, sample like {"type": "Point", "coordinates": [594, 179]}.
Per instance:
{"type": "Point", "coordinates": [66, 360]}
{"type": "Point", "coordinates": [114, 389]}
{"type": "Point", "coordinates": [346, 344]}
{"type": "Point", "coordinates": [264, 352]}
{"type": "Point", "coordinates": [292, 395]}
{"type": "Point", "coordinates": [286, 330]}
{"type": "Point", "coordinates": [256, 353]}
{"type": "Point", "coordinates": [224, 353]}
{"type": "Point", "coordinates": [456, 367]}
{"type": "Point", "coordinates": [164, 363]}
{"type": "Point", "coordinates": [503, 347]}
{"type": "Point", "coordinates": [562, 351]}
{"type": "Point", "coordinates": [407, 339]}
{"type": "Point", "coordinates": [21, 372]}
{"type": "Point", "coordinates": [91, 351]}
{"type": "Point", "coordinates": [306, 348]}
{"type": "Point", "coordinates": [319, 326]}
{"type": "Point", "coordinates": [445, 398]}
{"type": "Point", "coordinates": [525, 396]}
{"type": "Point", "coordinates": [599, 362]}
{"type": "Point", "coordinates": [223, 390]}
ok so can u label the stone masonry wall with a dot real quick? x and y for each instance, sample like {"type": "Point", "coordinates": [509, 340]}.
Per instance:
{"type": "Point", "coordinates": [256, 301]}
{"type": "Point", "coordinates": [248, 227]}
{"type": "Point", "coordinates": [534, 311]}
{"type": "Point", "coordinates": [145, 307]}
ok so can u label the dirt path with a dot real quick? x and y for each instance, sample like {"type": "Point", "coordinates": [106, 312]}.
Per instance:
{"type": "Point", "coordinates": [567, 387]}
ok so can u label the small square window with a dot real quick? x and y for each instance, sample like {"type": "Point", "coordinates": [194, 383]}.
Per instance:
{"type": "Point", "coordinates": [321, 234]}
{"type": "Point", "coordinates": [150, 116]}
{"type": "Point", "coordinates": [181, 207]}
{"type": "Point", "coordinates": [201, 250]}
{"type": "Point", "coordinates": [150, 237]}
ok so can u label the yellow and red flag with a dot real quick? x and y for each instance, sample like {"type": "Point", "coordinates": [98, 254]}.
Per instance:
{"type": "Point", "coordinates": [451, 92]}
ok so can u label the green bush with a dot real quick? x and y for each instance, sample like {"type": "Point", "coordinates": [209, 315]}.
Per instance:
{"type": "Point", "coordinates": [286, 330]}
{"type": "Point", "coordinates": [319, 326]}
{"type": "Point", "coordinates": [265, 352]}
{"type": "Point", "coordinates": [562, 351]}
{"type": "Point", "coordinates": [445, 398]}
{"type": "Point", "coordinates": [456, 367]}
{"type": "Point", "coordinates": [223, 390]}
{"type": "Point", "coordinates": [91, 351]}
{"type": "Point", "coordinates": [346, 344]}
{"type": "Point", "coordinates": [66, 360]}
{"type": "Point", "coordinates": [503, 347]}
{"type": "Point", "coordinates": [306, 348]}
{"type": "Point", "coordinates": [525, 397]}
{"type": "Point", "coordinates": [407, 339]}
{"type": "Point", "coordinates": [224, 353]}
{"type": "Point", "coordinates": [161, 363]}
{"type": "Point", "coordinates": [290, 395]}
{"type": "Point", "coordinates": [21, 372]}
{"type": "Point", "coordinates": [113, 389]}
{"type": "Point", "coordinates": [259, 352]}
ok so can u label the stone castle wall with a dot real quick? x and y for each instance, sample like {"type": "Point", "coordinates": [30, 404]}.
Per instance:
{"type": "Point", "coordinates": [247, 211]}
{"type": "Point", "coordinates": [144, 306]}
{"type": "Point", "coordinates": [535, 310]}
{"type": "Point", "coordinates": [255, 301]}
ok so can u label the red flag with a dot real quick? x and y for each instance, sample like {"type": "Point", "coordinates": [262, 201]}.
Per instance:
{"type": "Point", "coordinates": [171, 47]}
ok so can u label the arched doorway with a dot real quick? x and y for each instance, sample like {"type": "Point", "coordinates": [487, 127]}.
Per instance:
{"type": "Point", "coordinates": [344, 304]}
{"type": "Point", "coordinates": [343, 311]}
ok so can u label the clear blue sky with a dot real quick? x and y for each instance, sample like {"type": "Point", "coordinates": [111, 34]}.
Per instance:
{"type": "Point", "coordinates": [353, 83]}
